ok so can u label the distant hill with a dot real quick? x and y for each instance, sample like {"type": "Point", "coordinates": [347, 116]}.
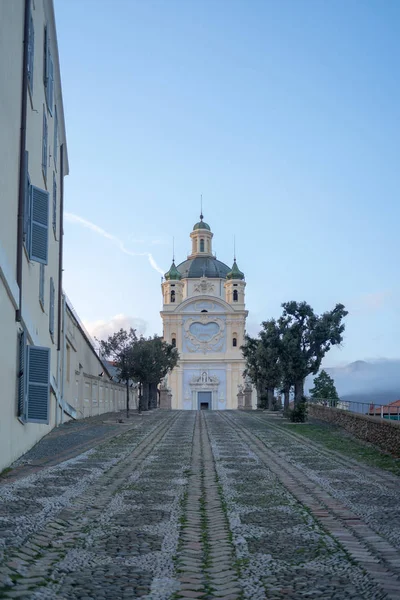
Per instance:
{"type": "Point", "coordinates": [362, 381]}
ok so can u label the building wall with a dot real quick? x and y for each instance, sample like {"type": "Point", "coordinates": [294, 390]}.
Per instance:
{"type": "Point", "coordinates": [15, 436]}
{"type": "Point", "coordinates": [215, 354]}
{"type": "Point", "coordinates": [84, 390]}
{"type": "Point", "coordinates": [31, 314]}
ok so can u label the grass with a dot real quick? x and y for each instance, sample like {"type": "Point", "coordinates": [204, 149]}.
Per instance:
{"type": "Point", "coordinates": [5, 471]}
{"type": "Point", "coordinates": [334, 438]}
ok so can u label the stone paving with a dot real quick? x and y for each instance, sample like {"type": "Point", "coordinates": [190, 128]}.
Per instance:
{"type": "Point", "coordinates": [183, 505]}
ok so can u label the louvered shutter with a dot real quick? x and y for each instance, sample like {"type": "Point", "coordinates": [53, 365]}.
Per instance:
{"type": "Point", "coordinates": [21, 374]}
{"type": "Point", "coordinates": [55, 136]}
{"type": "Point", "coordinates": [41, 284]}
{"type": "Point", "coordinates": [31, 50]}
{"type": "Point", "coordinates": [38, 385]}
{"type": "Point", "coordinates": [45, 57]}
{"type": "Point", "coordinates": [38, 243]}
{"type": "Point", "coordinates": [51, 309]}
{"type": "Point", "coordinates": [27, 203]}
{"type": "Point", "coordinates": [44, 145]}
{"type": "Point", "coordinates": [50, 84]}
{"type": "Point", "coordinates": [54, 204]}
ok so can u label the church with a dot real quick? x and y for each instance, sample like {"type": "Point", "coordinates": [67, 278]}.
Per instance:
{"type": "Point", "coordinates": [204, 316]}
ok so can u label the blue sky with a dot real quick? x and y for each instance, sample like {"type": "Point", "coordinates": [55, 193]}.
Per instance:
{"type": "Point", "coordinates": [284, 114]}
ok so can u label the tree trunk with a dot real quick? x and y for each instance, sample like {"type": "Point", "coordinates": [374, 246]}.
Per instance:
{"type": "Point", "coordinates": [259, 395]}
{"type": "Point", "coordinates": [153, 396]}
{"type": "Point", "coordinates": [140, 395]}
{"type": "Point", "coordinates": [145, 396]}
{"type": "Point", "coordinates": [270, 396]}
{"type": "Point", "coordinates": [127, 398]}
{"type": "Point", "coordinates": [298, 391]}
{"type": "Point", "coordinates": [286, 399]}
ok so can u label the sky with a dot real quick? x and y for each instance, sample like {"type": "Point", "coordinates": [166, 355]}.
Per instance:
{"type": "Point", "coordinates": [283, 114]}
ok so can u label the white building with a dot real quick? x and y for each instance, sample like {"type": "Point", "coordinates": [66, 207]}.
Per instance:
{"type": "Point", "coordinates": [33, 164]}
{"type": "Point", "coordinates": [204, 315]}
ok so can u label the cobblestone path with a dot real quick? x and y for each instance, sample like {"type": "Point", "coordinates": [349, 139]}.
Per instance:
{"type": "Point", "coordinates": [187, 505]}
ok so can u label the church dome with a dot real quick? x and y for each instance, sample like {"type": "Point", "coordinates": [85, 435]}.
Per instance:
{"type": "Point", "coordinates": [203, 266]}
{"type": "Point", "coordinates": [235, 272]}
{"type": "Point", "coordinates": [173, 273]}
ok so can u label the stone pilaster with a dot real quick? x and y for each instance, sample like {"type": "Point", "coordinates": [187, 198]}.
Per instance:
{"type": "Point", "coordinates": [165, 398]}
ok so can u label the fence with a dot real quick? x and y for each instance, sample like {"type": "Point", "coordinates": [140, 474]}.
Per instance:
{"type": "Point", "coordinates": [390, 412]}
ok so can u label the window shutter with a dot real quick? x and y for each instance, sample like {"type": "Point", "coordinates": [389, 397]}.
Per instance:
{"type": "Point", "coordinates": [54, 204]}
{"type": "Point", "coordinates": [39, 221]}
{"type": "Point", "coordinates": [51, 311]}
{"type": "Point", "coordinates": [38, 385]}
{"type": "Point", "coordinates": [31, 50]}
{"type": "Point", "coordinates": [21, 374]}
{"type": "Point", "coordinates": [41, 285]}
{"type": "Point", "coordinates": [44, 145]}
{"type": "Point", "coordinates": [55, 136]}
{"type": "Point", "coordinates": [27, 203]}
{"type": "Point", "coordinates": [45, 57]}
{"type": "Point", "coordinates": [50, 84]}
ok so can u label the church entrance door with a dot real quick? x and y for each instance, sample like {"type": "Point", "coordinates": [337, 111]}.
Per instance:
{"type": "Point", "coordinates": [204, 400]}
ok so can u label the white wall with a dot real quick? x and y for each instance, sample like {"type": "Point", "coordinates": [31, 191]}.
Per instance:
{"type": "Point", "coordinates": [84, 390]}
{"type": "Point", "coordinates": [16, 437]}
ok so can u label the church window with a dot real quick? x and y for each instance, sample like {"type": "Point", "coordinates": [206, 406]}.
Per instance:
{"type": "Point", "coordinates": [172, 295]}
{"type": "Point", "coordinates": [234, 342]}
{"type": "Point", "coordinates": [201, 245]}
{"type": "Point", "coordinates": [235, 295]}
{"type": "Point", "coordinates": [173, 342]}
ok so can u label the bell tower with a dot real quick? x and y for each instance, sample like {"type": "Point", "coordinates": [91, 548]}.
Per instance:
{"type": "Point", "coordinates": [234, 286]}
{"type": "Point", "coordinates": [172, 287]}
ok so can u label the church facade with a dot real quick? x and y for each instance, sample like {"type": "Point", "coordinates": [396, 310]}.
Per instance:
{"type": "Point", "coordinates": [204, 316]}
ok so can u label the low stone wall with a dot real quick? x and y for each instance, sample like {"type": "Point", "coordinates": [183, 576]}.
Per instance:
{"type": "Point", "coordinates": [380, 432]}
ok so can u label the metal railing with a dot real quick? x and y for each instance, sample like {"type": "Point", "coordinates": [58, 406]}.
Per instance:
{"type": "Point", "coordinates": [384, 411]}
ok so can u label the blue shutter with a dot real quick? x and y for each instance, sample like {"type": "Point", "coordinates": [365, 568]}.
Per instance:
{"type": "Point", "coordinates": [54, 204]}
{"type": "Point", "coordinates": [21, 374]}
{"type": "Point", "coordinates": [27, 203]}
{"type": "Point", "coordinates": [50, 84]}
{"type": "Point", "coordinates": [51, 308]}
{"type": "Point", "coordinates": [45, 57]}
{"type": "Point", "coordinates": [41, 284]}
{"type": "Point", "coordinates": [38, 243]}
{"type": "Point", "coordinates": [55, 136]}
{"type": "Point", "coordinates": [38, 385]}
{"type": "Point", "coordinates": [31, 51]}
{"type": "Point", "coordinates": [44, 145]}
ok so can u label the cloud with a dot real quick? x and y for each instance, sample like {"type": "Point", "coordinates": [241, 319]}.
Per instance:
{"type": "Point", "coordinates": [102, 329]}
{"type": "Point", "coordinates": [71, 218]}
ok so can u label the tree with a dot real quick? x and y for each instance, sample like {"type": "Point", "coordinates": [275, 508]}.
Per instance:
{"type": "Point", "coordinates": [251, 353]}
{"type": "Point", "coordinates": [151, 360]}
{"type": "Point", "coordinates": [324, 388]}
{"type": "Point", "coordinates": [263, 362]}
{"type": "Point", "coordinates": [164, 358]}
{"type": "Point", "coordinates": [118, 348]}
{"type": "Point", "coordinates": [306, 338]}
{"type": "Point", "coordinates": [270, 358]}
